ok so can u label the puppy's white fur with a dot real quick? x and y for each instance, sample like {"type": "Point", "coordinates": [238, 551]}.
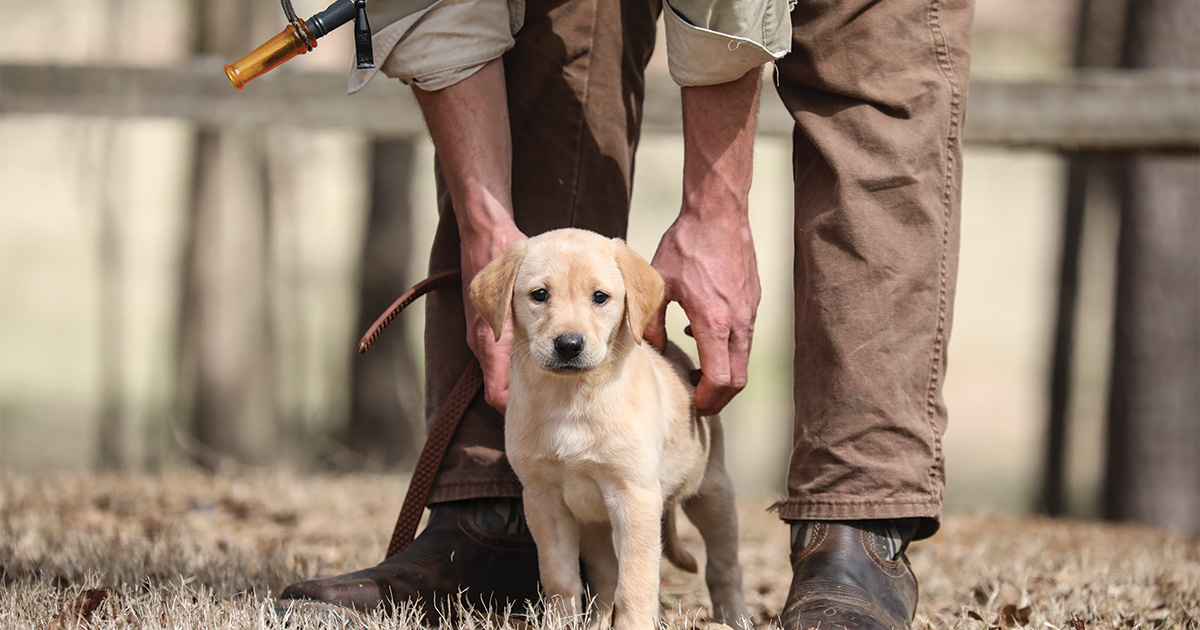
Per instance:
{"type": "Point", "coordinates": [601, 429]}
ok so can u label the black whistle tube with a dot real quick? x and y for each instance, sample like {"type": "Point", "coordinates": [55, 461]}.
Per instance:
{"type": "Point", "coordinates": [332, 17]}
{"type": "Point", "coordinates": [363, 54]}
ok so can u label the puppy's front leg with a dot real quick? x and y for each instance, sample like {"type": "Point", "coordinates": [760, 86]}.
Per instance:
{"type": "Point", "coordinates": [556, 534]}
{"type": "Point", "coordinates": [636, 516]}
{"type": "Point", "coordinates": [600, 563]}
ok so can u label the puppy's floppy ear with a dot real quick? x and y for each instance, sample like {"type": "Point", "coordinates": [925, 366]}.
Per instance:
{"type": "Point", "coordinates": [492, 288]}
{"type": "Point", "coordinates": [643, 289]}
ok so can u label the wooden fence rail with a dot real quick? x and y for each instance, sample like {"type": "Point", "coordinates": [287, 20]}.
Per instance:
{"type": "Point", "coordinates": [1093, 111]}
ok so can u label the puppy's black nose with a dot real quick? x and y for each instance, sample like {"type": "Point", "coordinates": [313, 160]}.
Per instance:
{"type": "Point", "coordinates": [568, 345]}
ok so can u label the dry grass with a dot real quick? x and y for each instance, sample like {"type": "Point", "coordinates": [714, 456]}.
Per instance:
{"type": "Point", "coordinates": [186, 550]}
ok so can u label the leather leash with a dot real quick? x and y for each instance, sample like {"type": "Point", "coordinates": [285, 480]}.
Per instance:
{"type": "Point", "coordinates": [432, 283]}
{"type": "Point", "coordinates": [468, 387]}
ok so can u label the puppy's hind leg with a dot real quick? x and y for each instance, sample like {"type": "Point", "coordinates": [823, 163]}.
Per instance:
{"type": "Point", "coordinates": [600, 567]}
{"type": "Point", "coordinates": [672, 549]}
{"type": "Point", "coordinates": [713, 510]}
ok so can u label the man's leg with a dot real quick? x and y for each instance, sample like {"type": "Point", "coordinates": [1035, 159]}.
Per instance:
{"type": "Point", "coordinates": [878, 92]}
{"type": "Point", "coordinates": [496, 558]}
{"type": "Point", "coordinates": [574, 99]}
{"type": "Point", "coordinates": [574, 82]}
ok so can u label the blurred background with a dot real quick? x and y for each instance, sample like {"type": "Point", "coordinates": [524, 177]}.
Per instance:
{"type": "Point", "coordinates": [185, 270]}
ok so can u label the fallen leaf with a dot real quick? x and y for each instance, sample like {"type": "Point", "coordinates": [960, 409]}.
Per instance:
{"type": "Point", "coordinates": [81, 610]}
{"type": "Point", "coordinates": [1011, 616]}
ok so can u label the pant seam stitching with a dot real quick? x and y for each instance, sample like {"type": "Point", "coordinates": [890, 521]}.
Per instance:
{"type": "Point", "coordinates": [942, 57]}
{"type": "Point", "coordinates": [583, 121]}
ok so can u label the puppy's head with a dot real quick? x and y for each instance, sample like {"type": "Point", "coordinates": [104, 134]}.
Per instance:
{"type": "Point", "coordinates": [573, 294]}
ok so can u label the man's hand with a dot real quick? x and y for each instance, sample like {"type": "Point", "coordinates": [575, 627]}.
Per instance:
{"type": "Point", "coordinates": [713, 274]}
{"type": "Point", "coordinates": [707, 256]}
{"type": "Point", "coordinates": [493, 355]}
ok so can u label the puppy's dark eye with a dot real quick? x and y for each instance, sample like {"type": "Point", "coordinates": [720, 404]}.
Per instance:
{"type": "Point", "coordinates": [599, 297]}
{"type": "Point", "coordinates": [539, 295]}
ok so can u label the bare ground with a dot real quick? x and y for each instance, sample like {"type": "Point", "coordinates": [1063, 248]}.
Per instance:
{"type": "Point", "coordinates": [187, 550]}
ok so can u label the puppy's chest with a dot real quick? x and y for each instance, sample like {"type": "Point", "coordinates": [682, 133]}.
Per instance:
{"type": "Point", "coordinates": [563, 445]}
{"type": "Point", "coordinates": [578, 442]}
{"type": "Point", "coordinates": [576, 459]}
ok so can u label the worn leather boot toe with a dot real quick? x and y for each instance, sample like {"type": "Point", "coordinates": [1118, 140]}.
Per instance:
{"type": "Point", "coordinates": [463, 555]}
{"type": "Point", "coordinates": [843, 579]}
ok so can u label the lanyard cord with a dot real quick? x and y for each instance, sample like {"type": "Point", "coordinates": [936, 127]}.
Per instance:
{"type": "Point", "coordinates": [290, 14]}
{"type": "Point", "coordinates": [288, 11]}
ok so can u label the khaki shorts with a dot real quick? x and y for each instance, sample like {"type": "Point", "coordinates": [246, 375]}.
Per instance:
{"type": "Point", "coordinates": [433, 44]}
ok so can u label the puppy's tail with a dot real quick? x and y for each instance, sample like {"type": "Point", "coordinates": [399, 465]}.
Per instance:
{"type": "Point", "coordinates": [672, 547]}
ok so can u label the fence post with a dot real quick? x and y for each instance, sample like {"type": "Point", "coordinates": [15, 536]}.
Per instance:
{"type": "Point", "coordinates": [226, 359]}
{"type": "Point", "coordinates": [1153, 471]}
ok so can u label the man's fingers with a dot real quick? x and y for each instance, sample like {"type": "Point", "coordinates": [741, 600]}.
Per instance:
{"type": "Point", "coordinates": [714, 389]}
{"type": "Point", "coordinates": [495, 377]}
{"type": "Point", "coordinates": [496, 396]}
{"type": "Point", "coordinates": [656, 329]}
{"type": "Point", "coordinates": [711, 396]}
{"type": "Point", "coordinates": [493, 359]}
{"type": "Point", "coordinates": [739, 358]}
{"type": "Point", "coordinates": [724, 365]}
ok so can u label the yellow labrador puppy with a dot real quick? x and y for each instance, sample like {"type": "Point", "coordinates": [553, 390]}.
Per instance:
{"type": "Point", "coordinates": [602, 432]}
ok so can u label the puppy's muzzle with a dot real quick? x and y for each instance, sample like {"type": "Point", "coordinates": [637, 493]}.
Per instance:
{"type": "Point", "coordinates": [568, 346]}
{"type": "Point", "coordinates": [565, 354]}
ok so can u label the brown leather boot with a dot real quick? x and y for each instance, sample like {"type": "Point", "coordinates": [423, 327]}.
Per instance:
{"type": "Point", "coordinates": [468, 547]}
{"type": "Point", "coordinates": [849, 576]}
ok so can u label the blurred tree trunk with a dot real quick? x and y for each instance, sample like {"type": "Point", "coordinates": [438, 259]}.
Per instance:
{"type": "Point", "coordinates": [1153, 473]}
{"type": "Point", "coordinates": [110, 452]}
{"type": "Point", "coordinates": [386, 423]}
{"type": "Point", "coordinates": [1090, 186]}
{"type": "Point", "coordinates": [110, 439]}
{"type": "Point", "coordinates": [226, 354]}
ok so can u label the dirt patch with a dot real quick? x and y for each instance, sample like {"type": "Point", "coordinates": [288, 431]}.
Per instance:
{"type": "Point", "coordinates": [190, 550]}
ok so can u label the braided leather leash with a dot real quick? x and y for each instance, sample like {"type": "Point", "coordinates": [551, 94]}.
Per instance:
{"type": "Point", "coordinates": [469, 385]}
{"type": "Point", "coordinates": [444, 425]}
{"type": "Point", "coordinates": [432, 283]}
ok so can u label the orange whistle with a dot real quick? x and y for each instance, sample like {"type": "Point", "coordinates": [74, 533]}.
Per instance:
{"type": "Point", "coordinates": [290, 42]}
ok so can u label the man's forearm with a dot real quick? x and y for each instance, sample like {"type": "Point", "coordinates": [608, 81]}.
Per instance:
{"type": "Point", "coordinates": [718, 130]}
{"type": "Point", "coordinates": [707, 256]}
{"type": "Point", "coordinates": [468, 123]}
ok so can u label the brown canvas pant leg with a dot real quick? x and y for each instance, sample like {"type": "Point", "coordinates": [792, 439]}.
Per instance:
{"type": "Point", "coordinates": [575, 86]}
{"type": "Point", "coordinates": [878, 93]}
